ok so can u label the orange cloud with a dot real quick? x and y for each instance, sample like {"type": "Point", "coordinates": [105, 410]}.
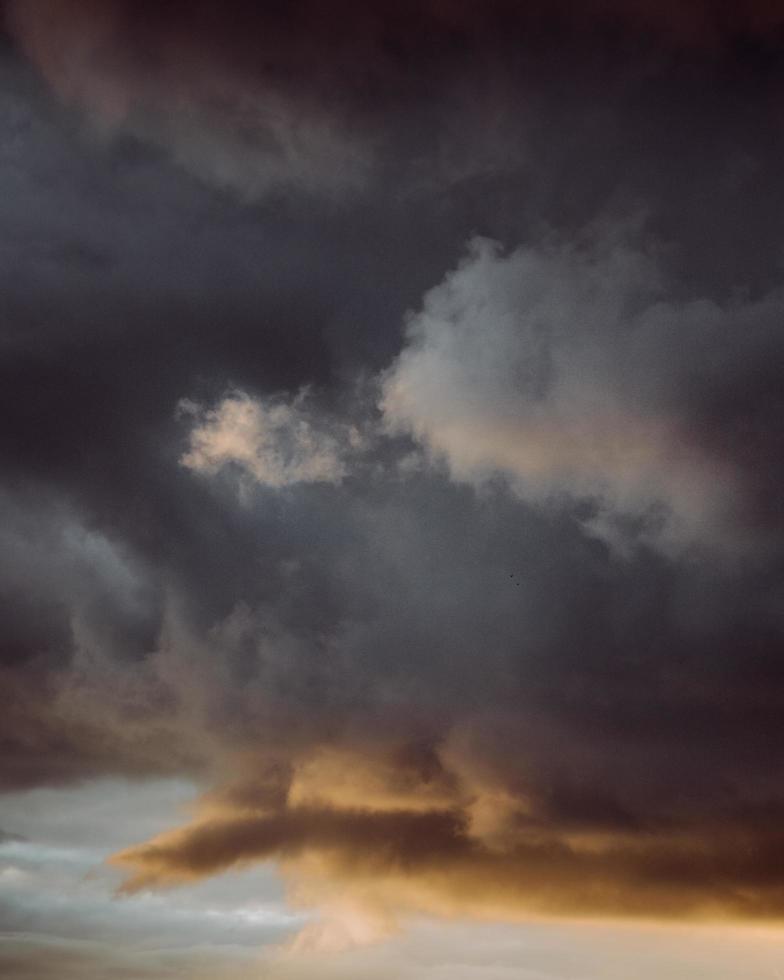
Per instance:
{"type": "Point", "coordinates": [383, 861]}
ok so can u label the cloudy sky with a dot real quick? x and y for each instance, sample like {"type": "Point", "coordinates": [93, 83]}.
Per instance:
{"type": "Point", "coordinates": [391, 463]}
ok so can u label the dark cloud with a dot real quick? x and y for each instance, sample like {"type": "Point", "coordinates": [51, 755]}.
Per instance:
{"type": "Point", "coordinates": [390, 431]}
{"type": "Point", "coordinates": [438, 863]}
{"type": "Point", "coordinates": [397, 837]}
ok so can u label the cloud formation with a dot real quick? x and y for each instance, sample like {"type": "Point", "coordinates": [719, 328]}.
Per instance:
{"type": "Point", "coordinates": [495, 628]}
{"type": "Point", "coordinates": [265, 101]}
{"type": "Point", "coordinates": [392, 862]}
{"type": "Point", "coordinates": [567, 369]}
{"type": "Point", "coordinates": [219, 113]}
{"type": "Point", "coordinates": [276, 444]}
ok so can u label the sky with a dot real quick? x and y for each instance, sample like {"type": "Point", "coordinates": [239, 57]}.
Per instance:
{"type": "Point", "coordinates": [391, 452]}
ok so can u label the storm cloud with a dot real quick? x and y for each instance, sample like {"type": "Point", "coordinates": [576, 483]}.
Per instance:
{"type": "Point", "coordinates": [391, 445]}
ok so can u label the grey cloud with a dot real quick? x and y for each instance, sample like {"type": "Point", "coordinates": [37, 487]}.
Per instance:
{"type": "Point", "coordinates": [569, 370]}
{"type": "Point", "coordinates": [421, 644]}
{"type": "Point", "coordinates": [252, 134]}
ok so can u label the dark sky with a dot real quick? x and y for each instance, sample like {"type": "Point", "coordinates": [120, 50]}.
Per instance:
{"type": "Point", "coordinates": [391, 443]}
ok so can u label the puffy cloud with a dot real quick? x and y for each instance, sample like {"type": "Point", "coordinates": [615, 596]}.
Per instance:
{"type": "Point", "coordinates": [409, 696]}
{"type": "Point", "coordinates": [275, 444]}
{"type": "Point", "coordinates": [568, 369]}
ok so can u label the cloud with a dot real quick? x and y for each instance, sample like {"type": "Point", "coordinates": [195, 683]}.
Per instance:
{"type": "Point", "coordinates": [404, 862]}
{"type": "Point", "coordinates": [266, 102]}
{"type": "Point", "coordinates": [274, 444]}
{"type": "Point", "coordinates": [75, 594]}
{"type": "Point", "coordinates": [566, 369]}
{"type": "Point", "coordinates": [396, 837]}
{"type": "Point", "coordinates": [219, 116]}
{"type": "Point", "coordinates": [408, 696]}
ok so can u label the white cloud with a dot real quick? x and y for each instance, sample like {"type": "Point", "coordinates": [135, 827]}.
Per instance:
{"type": "Point", "coordinates": [276, 444]}
{"type": "Point", "coordinates": [562, 369]}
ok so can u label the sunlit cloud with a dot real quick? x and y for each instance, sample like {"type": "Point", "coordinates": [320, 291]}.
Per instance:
{"type": "Point", "coordinates": [276, 445]}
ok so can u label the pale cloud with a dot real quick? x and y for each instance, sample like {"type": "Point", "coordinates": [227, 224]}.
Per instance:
{"type": "Point", "coordinates": [273, 444]}
{"type": "Point", "coordinates": [564, 370]}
